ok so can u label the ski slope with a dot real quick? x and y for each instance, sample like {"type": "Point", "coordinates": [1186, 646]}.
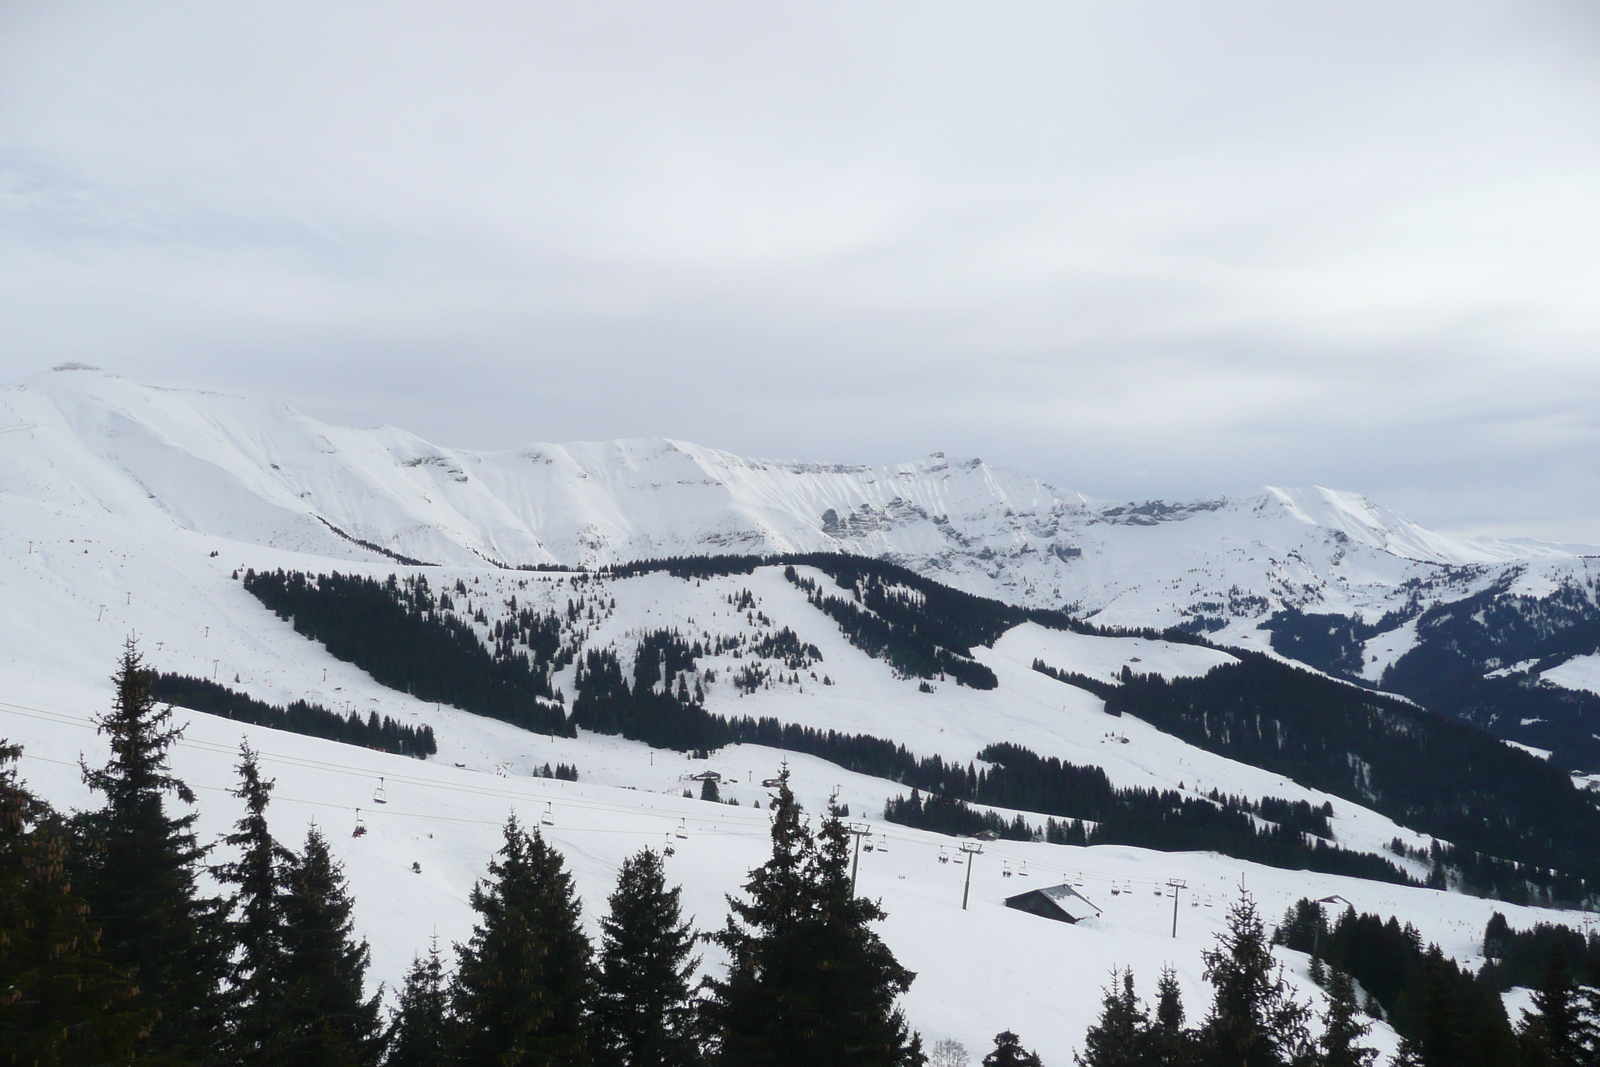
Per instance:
{"type": "Point", "coordinates": [129, 511]}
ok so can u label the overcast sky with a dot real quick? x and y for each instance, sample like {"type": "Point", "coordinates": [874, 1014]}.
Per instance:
{"type": "Point", "coordinates": [1136, 249]}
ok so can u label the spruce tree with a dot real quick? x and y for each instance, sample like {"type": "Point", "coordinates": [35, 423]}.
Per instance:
{"type": "Point", "coordinates": [1008, 1052]}
{"type": "Point", "coordinates": [808, 982]}
{"type": "Point", "coordinates": [418, 1034]}
{"type": "Point", "coordinates": [749, 1012]}
{"type": "Point", "coordinates": [523, 981]}
{"type": "Point", "coordinates": [1341, 1027]}
{"type": "Point", "coordinates": [60, 1003]}
{"type": "Point", "coordinates": [644, 1007]}
{"type": "Point", "coordinates": [1169, 1044]}
{"type": "Point", "coordinates": [1553, 1033]}
{"type": "Point", "coordinates": [138, 871]}
{"type": "Point", "coordinates": [255, 923]}
{"type": "Point", "coordinates": [1117, 1038]}
{"type": "Point", "coordinates": [1253, 1018]}
{"type": "Point", "coordinates": [1406, 1055]}
{"type": "Point", "coordinates": [327, 1020]}
{"type": "Point", "coordinates": [1437, 1022]}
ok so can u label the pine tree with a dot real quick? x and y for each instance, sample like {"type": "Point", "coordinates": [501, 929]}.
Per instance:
{"type": "Point", "coordinates": [1169, 1044]}
{"type": "Point", "coordinates": [1117, 1038]}
{"type": "Point", "coordinates": [807, 981]}
{"type": "Point", "coordinates": [523, 981]}
{"type": "Point", "coordinates": [138, 873]}
{"type": "Point", "coordinates": [645, 1010]}
{"type": "Point", "coordinates": [1438, 1018]}
{"type": "Point", "coordinates": [60, 1003]}
{"type": "Point", "coordinates": [709, 790]}
{"type": "Point", "coordinates": [327, 1022]}
{"type": "Point", "coordinates": [1407, 1055]}
{"type": "Point", "coordinates": [1552, 1034]}
{"type": "Point", "coordinates": [1341, 1028]}
{"type": "Point", "coordinates": [418, 1034]}
{"type": "Point", "coordinates": [1253, 1018]}
{"type": "Point", "coordinates": [255, 924]}
{"type": "Point", "coordinates": [1008, 1052]}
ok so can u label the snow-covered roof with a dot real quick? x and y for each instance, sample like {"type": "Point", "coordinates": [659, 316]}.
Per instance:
{"type": "Point", "coordinates": [1072, 905]}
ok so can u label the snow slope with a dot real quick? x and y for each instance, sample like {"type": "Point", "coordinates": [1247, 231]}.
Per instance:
{"type": "Point", "coordinates": [127, 511]}
{"type": "Point", "coordinates": [265, 474]}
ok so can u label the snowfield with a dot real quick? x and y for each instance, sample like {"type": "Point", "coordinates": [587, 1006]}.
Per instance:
{"type": "Point", "coordinates": [130, 511]}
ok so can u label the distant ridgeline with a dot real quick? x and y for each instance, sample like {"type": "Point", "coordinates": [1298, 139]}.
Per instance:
{"type": "Point", "coordinates": [1519, 828]}
{"type": "Point", "coordinates": [314, 720]}
{"type": "Point", "coordinates": [1511, 816]}
{"type": "Point", "coordinates": [1459, 644]}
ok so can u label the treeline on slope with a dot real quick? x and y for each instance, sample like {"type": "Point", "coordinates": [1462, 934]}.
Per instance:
{"type": "Point", "coordinates": [1458, 645]}
{"type": "Point", "coordinates": [111, 953]}
{"type": "Point", "coordinates": [300, 717]}
{"type": "Point", "coordinates": [1448, 1013]}
{"type": "Point", "coordinates": [1296, 837]}
{"type": "Point", "coordinates": [396, 631]}
{"type": "Point", "coordinates": [656, 708]}
{"type": "Point", "coordinates": [1511, 817]}
{"type": "Point", "coordinates": [924, 628]}
{"type": "Point", "coordinates": [1525, 957]}
{"type": "Point", "coordinates": [892, 622]}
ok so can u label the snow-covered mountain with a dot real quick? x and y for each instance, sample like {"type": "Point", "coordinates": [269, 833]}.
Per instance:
{"type": "Point", "coordinates": [131, 510]}
{"type": "Point", "coordinates": [266, 474]}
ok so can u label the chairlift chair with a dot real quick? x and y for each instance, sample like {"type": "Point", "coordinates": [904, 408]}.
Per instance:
{"type": "Point", "coordinates": [1022, 872]}
{"type": "Point", "coordinates": [866, 845]}
{"type": "Point", "coordinates": [668, 850]}
{"type": "Point", "coordinates": [360, 830]}
{"type": "Point", "coordinates": [883, 843]}
{"type": "Point", "coordinates": [682, 833]}
{"type": "Point", "coordinates": [944, 857]}
{"type": "Point", "coordinates": [549, 816]}
{"type": "Point", "coordinates": [380, 795]}
{"type": "Point", "coordinates": [1116, 892]}
{"type": "Point", "coordinates": [1005, 870]}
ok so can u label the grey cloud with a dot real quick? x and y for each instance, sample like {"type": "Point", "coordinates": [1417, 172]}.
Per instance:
{"type": "Point", "coordinates": [1130, 247]}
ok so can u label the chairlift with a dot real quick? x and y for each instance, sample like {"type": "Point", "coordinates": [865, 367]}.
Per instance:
{"type": "Point", "coordinates": [380, 795]}
{"type": "Point", "coordinates": [1022, 872]}
{"type": "Point", "coordinates": [1005, 870]}
{"type": "Point", "coordinates": [944, 857]}
{"type": "Point", "coordinates": [668, 850]}
{"type": "Point", "coordinates": [1115, 891]}
{"type": "Point", "coordinates": [549, 816]}
{"type": "Point", "coordinates": [682, 833]}
{"type": "Point", "coordinates": [883, 843]}
{"type": "Point", "coordinates": [1159, 892]}
{"type": "Point", "coordinates": [866, 845]}
{"type": "Point", "coordinates": [361, 829]}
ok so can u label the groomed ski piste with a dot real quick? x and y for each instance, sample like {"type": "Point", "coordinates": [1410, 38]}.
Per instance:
{"type": "Point", "coordinates": [77, 581]}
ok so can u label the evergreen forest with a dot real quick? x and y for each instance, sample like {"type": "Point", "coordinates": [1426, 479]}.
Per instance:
{"type": "Point", "coordinates": [112, 952]}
